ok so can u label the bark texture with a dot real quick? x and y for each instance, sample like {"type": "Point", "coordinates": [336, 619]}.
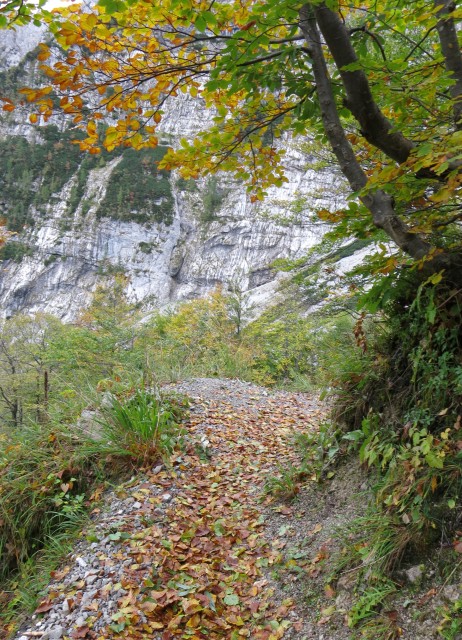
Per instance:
{"type": "Point", "coordinates": [379, 203]}
{"type": "Point", "coordinates": [452, 56]}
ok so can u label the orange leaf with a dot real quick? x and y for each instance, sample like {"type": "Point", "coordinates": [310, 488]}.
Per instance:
{"type": "Point", "coordinates": [44, 606]}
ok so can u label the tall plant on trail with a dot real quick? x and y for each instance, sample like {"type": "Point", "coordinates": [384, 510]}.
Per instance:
{"type": "Point", "coordinates": [380, 82]}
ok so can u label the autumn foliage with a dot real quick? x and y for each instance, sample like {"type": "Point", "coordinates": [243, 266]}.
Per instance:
{"type": "Point", "coordinates": [379, 82]}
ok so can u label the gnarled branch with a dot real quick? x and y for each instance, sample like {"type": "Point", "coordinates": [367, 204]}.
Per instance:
{"type": "Point", "coordinates": [379, 203]}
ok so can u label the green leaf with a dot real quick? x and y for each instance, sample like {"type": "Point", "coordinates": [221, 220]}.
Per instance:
{"type": "Point", "coordinates": [119, 535]}
{"type": "Point", "coordinates": [211, 601]}
{"type": "Point", "coordinates": [231, 599]}
{"type": "Point", "coordinates": [112, 6]}
{"type": "Point", "coordinates": [219, 528]}
{"type": "Point", "coordinates": [200, 24]}
{"type": "Point", "coordinates": [355, 436]}
{"type": "Point", "coordinates": [452, 504]}
{"type": "Point", "coordinates": [210, 18]}
{"type": "Point", "coordinates": [436, 278]}
{"type": "Point", "coordinates": [434, 461]}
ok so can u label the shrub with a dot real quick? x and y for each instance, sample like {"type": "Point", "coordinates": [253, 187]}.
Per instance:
{"type": "Point", "coordinates": [43, 477]}
{"type": "Point", "coordinates": [199, 339]}
{"type": "Point", "coordinates": [141, 429]}
{"type": "Point", "coordinates": [15, 251]}
{"type": "Point", "coordinates": [212, 198]}
{"type": "Point", "coordinates": [402, 406]}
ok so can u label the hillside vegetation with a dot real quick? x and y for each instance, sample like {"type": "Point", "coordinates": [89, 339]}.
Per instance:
{"type": "Point", "coordinates": [375, 87]}
{"type": "Point", "coordinates": [74, 397]}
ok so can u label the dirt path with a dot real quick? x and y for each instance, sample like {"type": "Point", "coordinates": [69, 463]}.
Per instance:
{"type": "Point", "coordinates": [190, 551]}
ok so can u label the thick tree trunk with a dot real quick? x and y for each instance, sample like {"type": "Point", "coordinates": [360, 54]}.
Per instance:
{"type": "Point", "coordinates": [379, 203]}
{"type": "Point", "coordinates": [375, 127]}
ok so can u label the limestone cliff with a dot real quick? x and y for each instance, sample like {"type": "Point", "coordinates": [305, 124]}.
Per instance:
{"type": "Point", "coordinates": [79, 219]}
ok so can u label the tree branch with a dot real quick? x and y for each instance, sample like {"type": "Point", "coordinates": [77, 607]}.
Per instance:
{"type": "Point", "coordinates": [270, 56]}
{"type": "Point", "coordinates": [379, 203]}
{"type": "Point", "coordinates": [375, 127]}
{"type": "Point", "coordinates": [371, 35]}
{"type": "Point", "coordinates": [452, 56]}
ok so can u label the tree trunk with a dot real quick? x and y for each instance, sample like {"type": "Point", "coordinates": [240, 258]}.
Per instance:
{"type": "Point", "coordinates": [379, 203]}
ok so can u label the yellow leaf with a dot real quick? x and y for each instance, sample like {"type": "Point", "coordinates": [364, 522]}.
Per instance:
{"type": "Point", "coordinates": [194, 621]}
{"type": "Point", "coordinates": [90, 21]}
{"type": "Point", "coordinates": [44, 53]}
{"type": "Point", "coordinates": [91, 128]}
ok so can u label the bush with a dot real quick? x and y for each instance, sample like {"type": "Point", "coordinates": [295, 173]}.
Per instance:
{"type": "Point", "coordinates": [15, 251]}
{"type": "Point", "coordinates": [199, 339]}
{"type": "Point", "coordinates": [287, 347]}
{"type": "Point", "coordinates": [401, 403]}
{"type": "Point", "coordinates": [141, 429]}
{"type": "Point", "coordinates": [212, 198]}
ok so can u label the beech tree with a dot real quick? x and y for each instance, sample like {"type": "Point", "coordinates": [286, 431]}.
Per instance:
{"type": "Point", "coordinates": [380, 82]}
{"type": "Point", "coordinates": [19, 12]}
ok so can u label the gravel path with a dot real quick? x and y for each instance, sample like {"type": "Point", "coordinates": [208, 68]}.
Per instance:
{"type": "Point", "coordinates": [115, 583]}
{"type": "Point", "coordinates": [195, 550]}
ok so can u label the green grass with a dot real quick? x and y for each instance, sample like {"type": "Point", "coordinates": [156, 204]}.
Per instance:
{"type": "Point", "coordinates": [373, 544]}
{"type": "Point", "coordinates": [25, 589]}
{"type": "Point", "coordinates": [286, 484]}
{"type": "Point", "coordinates": [48, 473]}
{"type": "Point", "coordinates": [367, 604]}
{"type": "Point", "coordinates": [450, 626]}
{"type": "Point", "coordinates": [43, 473]}
{"type": "Point", "coordinates": [141, 429]}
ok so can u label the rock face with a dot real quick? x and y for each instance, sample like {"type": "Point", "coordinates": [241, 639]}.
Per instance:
{"type": "Point", "coordinates": [80, 220]}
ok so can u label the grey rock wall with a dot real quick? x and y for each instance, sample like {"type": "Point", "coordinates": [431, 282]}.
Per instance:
{"type": "Point", "coordinates": [165, 263]}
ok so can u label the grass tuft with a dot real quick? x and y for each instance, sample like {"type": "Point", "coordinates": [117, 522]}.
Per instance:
{"type": "Point", "coordinates": [141, 429]}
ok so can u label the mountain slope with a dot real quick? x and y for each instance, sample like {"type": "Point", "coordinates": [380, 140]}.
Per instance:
{"type": "Point", "coordinates": [81, 218]}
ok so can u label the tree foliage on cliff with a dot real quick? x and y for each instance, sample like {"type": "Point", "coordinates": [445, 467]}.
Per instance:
{"type": "Point", "coordinates": [380, 82]}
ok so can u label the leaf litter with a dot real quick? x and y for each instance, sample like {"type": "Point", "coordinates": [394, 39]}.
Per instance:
{"type": "Point", "coordinates": [181, 551]}
{"type": "Point", "coordinates": [197, 550]}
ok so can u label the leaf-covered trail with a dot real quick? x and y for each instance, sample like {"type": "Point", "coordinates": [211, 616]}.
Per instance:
{"type": "Point", "coordinates": [183, 551]}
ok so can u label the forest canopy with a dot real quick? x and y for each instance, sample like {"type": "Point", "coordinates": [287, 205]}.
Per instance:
{"type": "Point", "coordinates": [379, 82]}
